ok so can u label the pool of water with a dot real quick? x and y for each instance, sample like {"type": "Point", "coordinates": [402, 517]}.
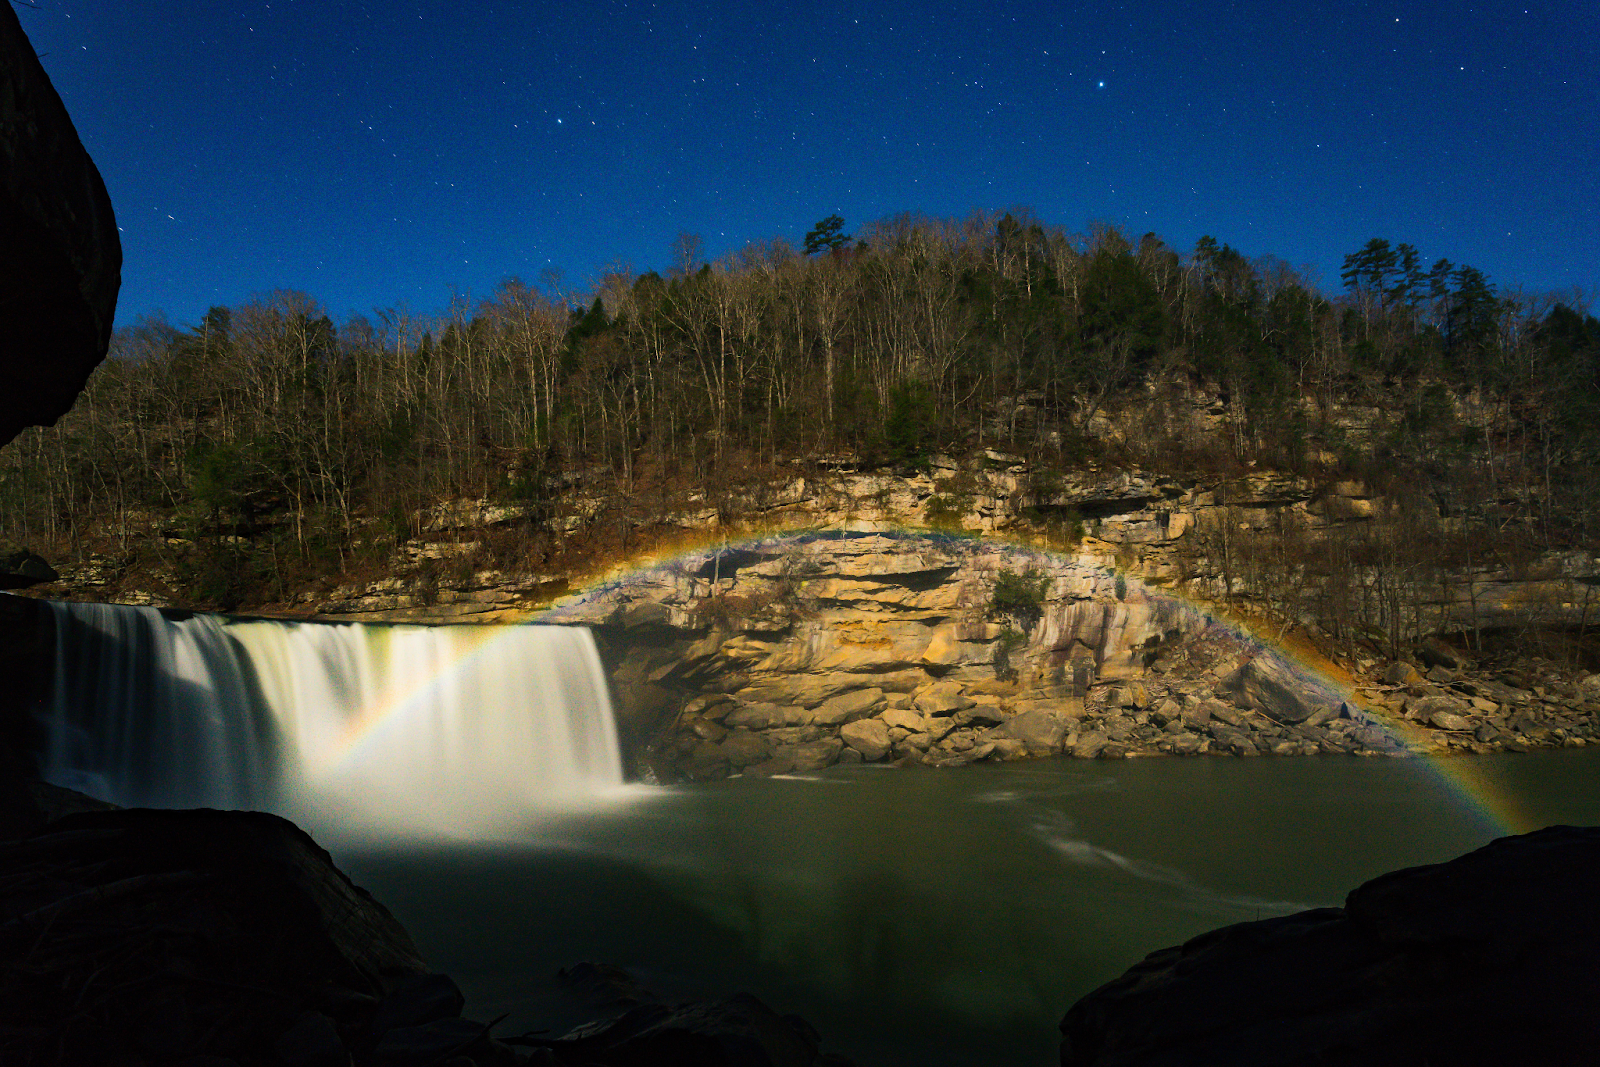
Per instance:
{"type": "Point", "coordinates": [934, 917]}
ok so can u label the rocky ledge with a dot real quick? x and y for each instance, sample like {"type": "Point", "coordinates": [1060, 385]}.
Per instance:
{"type": "Point", "coordinates": [1487, 959]}
{"type": "Point", "coordinates": [794, 654]}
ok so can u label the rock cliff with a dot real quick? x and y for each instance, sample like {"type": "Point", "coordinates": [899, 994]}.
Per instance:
{"type": "Point", "coordinates": [791, 654]}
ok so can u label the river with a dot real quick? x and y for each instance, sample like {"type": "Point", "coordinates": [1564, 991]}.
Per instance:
{"type": "Point", "coordinates": [934, 917]}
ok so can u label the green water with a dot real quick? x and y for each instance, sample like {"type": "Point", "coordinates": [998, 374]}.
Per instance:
{"type": "Point", "coordinates": [934, 917]}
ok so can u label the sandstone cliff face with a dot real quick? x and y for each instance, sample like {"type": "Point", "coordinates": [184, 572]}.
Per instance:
{"type": "Point", "coordinates": [791, 654]}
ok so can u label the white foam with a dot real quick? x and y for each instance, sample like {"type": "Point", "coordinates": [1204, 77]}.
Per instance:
{"type": "Point", "coordinates": [404, 730]}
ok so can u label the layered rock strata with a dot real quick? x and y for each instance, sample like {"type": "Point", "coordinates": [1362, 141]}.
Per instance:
{"type": "Point", "coordinates": [794, 654]}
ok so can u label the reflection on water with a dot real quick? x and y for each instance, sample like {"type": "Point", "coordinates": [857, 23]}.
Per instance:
{"type": "Point", "coordinates": [932, 916]}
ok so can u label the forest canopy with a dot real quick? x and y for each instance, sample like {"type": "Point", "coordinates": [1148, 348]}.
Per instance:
{"type": "Point", "coordinates": [913, 335]}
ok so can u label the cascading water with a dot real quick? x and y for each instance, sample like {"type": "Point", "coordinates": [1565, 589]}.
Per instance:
{"type": "Point", "coordinates": [380, 729]}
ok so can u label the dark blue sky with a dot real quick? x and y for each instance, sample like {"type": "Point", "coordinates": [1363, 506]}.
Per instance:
{"type": "Point", "coordinates": [384, 154]}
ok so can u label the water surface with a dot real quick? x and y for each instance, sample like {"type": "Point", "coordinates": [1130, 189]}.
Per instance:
{"type": "Point", "coordinates": [931, 917]}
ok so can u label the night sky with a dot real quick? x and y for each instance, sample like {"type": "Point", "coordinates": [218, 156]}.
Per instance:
{"type": "Point", "coordinates": [382, 155]}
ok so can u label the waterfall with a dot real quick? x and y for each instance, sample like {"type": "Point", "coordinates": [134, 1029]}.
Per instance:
{"type": "Point", "coordinates": [365, 728]}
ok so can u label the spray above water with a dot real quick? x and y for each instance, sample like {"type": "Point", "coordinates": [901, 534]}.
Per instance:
{"type": "Point", "coordinates": [382, 730]}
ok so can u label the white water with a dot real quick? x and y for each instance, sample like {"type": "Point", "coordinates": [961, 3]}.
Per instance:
{"type": "Point", "coordinates": [388, 730]}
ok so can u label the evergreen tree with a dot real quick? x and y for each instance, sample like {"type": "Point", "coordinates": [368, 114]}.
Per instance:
{"type": "Point", "coordinates": [825, 236]}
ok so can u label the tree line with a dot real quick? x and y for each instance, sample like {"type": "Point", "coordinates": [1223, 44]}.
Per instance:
{"type": "Point", "coordinates": [284, 443]}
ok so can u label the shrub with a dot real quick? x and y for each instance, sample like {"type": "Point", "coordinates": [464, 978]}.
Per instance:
{"type": "Point", "coordinates": [1019, 596]}
{"type": "Point", "coordinates": [946, 512]}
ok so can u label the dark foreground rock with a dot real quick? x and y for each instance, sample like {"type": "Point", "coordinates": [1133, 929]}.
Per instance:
{"type": "Point", "coordinates": [60, 258]}
{"type": "Point", "coordinates": [1487, 959]}
{"type": "Point", "coordinates": [634, 1026]}
{"type": "Point", "coordinates": [213, 938]}
{"type": "Point", "coordinates": [148, 936]}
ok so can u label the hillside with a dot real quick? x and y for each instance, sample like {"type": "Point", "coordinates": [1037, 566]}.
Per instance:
{"type": "Point", "coordinates": [1412, 455]}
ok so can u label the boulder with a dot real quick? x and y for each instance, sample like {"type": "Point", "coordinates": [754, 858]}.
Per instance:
{"type": "Point", "coordinates": [312, 1041]}
{"type": "Point", "coordinates": [1436, 653]}
{"type": "Point", "coordinates": [1166, 712]}
{"type": "Point", "coordinates": [1089, 744]}
{"type": "Point", "coordinates": [984, 714]}
{"type": "Point", "coordinates": [755, 716]}
{"type": "Point", "coordinates": [1040, 730]}
{"type": "Point", "coordinates": [1400, 673]}
{"type": "Point", "coordinates": [1268, 683]}
{"type": "Point", "coordinates": [904, 718]}
{"type": "Point", "coordinates": [735, 1030]}
{"type": "Point", "coordinates": [1237, 742]}
{"type": "Point", "coordinates": [847, 707]}
{"type": "Point", "coordinates": [917, 742]}
{"type": "Point", "coordinates": [870, 737]}
{"type": "Point", "coordinates": [1216, 711]}
{"type": "Point", "coordinates": [60, 256]}
{"type": "Point", "coordinates": [794, 735]}
{"type": "Point", "coordinates": [1188, 745]}
{"type": "Point", "coordinates": [1484, 960]}
{"type": "Point", "coordinates": [1324, 713]}
{"type": "Point", "coordinates": [21, 568]}
{"type": "Point", "coordinates": [437, 1042]}
{"type": "Point", "coordinates": [1007, 748]}
{"type": "Point", "coordinates": [1437, 711]}
{"type": "Point", "coordinates": [418, 1000]}
{"type": "Point", "coordinates": [708, 730]}
{"type": "Point", "coordinates": [742, 748]}
{"type": "Point", "coordinates": [706, 762]}
{"type": "Point", "coordinates": [1134, 695]}
{"type": "Point", "coordinates": [778, 764]}
{"type": "Point", "coordinates": [942, 698]}
{"type": "Point", "coordinates": [812, 755]}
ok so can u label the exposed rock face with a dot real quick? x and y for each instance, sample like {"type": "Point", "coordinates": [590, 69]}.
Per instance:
{"type": "Point", "coordinates": [60, 258]}
{"type": "Point", "coordinates": [862, 646]}
{"type": "Point", "coordinates": [1487, 959]}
